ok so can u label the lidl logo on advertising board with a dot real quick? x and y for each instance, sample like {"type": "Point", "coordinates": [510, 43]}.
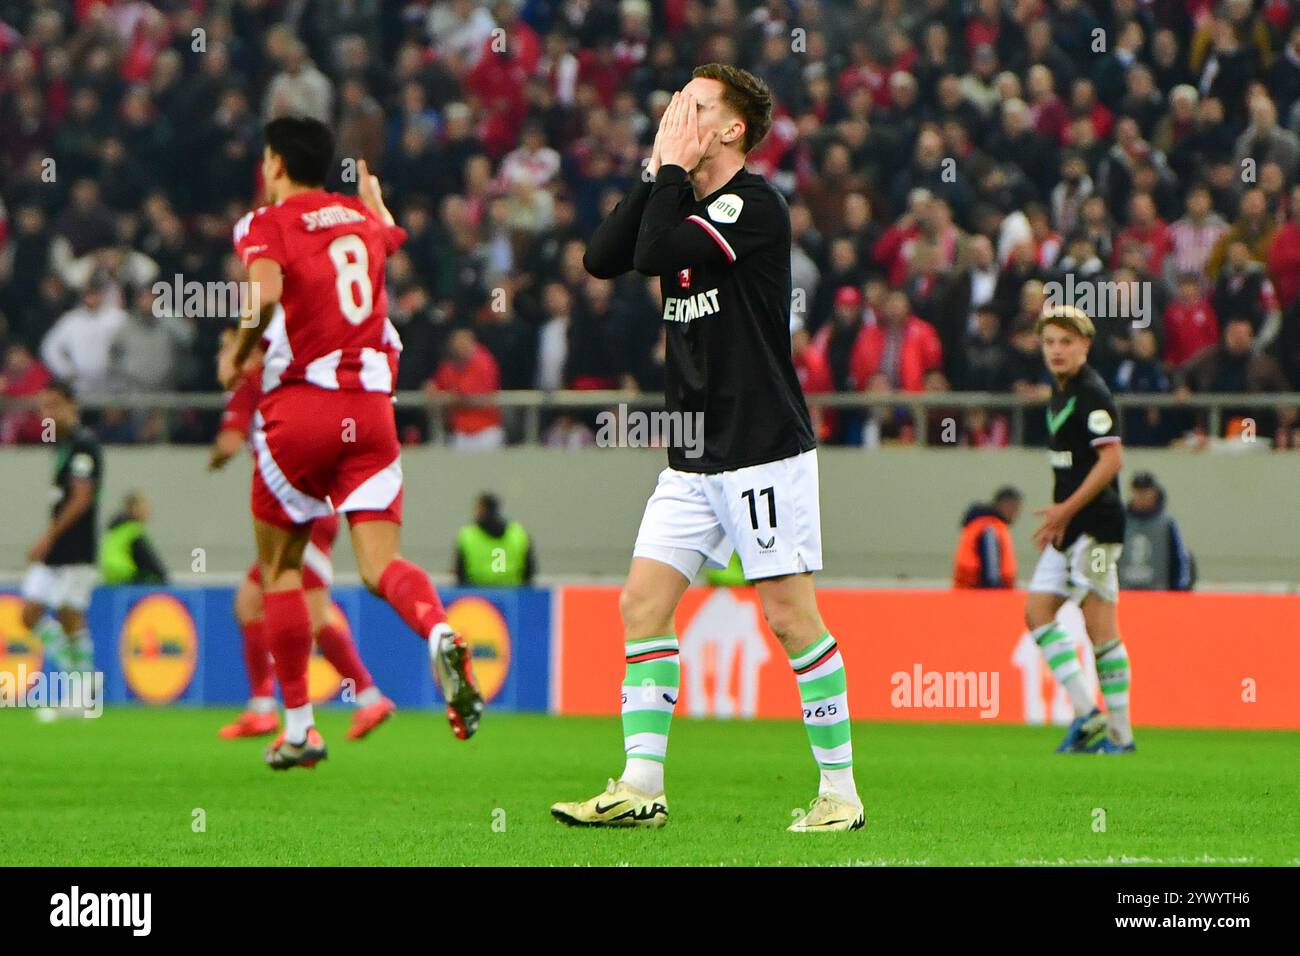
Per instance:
{"type": "Point", "coordinates": [159, 648]}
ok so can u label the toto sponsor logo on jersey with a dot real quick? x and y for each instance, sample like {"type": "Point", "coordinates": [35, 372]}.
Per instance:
{"type": "Point", "coordinates": [1099, 421]}
{"type": "Point", "coordinates": [726, 209]}
{"type": "Point", "coordinates": [691, 307]}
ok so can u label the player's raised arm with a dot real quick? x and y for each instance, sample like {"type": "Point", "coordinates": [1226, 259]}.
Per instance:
{"type": "Point", "coordinates": [609, 252]}
{"type": "Point", "coordinates": [370, 194]}
{"type": "Point", "coordinates": [666, 242]}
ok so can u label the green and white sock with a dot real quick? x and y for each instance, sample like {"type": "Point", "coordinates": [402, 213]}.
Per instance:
{"type": "Point", "coordinates": [1113, 675]}
{"type": "Point", "coordinates": [824, 693]}
{"type": "Point", "coordinates": [81, 652]}
{"type": "Point", "coordinates": [650, 690]}
{"type": "Point", "coordinates": [81, 660]}
{"type": "Point", "coordinates": [55, 641]}
{"type": "Point", "coordinates": [1063, 659]}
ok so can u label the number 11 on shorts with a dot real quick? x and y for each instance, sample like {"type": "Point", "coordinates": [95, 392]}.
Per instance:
{"type": "Point", "coordinates": [770, 495]}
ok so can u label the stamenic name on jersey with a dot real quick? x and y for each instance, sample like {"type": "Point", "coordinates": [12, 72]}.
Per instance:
{"type": "Point", "coordinates": [691, 307]}
{"type": "Point", "coordinates": [328, 216]}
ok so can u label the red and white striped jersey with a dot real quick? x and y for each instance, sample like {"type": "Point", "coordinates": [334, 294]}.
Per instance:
{"type": "Point", "coordinates": [333, 330]}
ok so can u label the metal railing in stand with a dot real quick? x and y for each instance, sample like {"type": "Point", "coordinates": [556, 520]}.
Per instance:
{"type": "Point", "coordinates": [533, 404]}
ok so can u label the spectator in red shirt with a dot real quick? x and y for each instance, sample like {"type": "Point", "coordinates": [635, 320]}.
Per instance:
{"type": "Point", "coordinates": [1046, 110]}
{"type": "Point", "coordinates": [901, 348]}
{"type": "Point", "coordinates": [1284, 255]}
{"type": "Point", "coordinates": [497, 84]}
{"type": "Point", "coordinates": [521, 39]}
{"type": "Point", "coordinates": [1190, 323]}
{"type": "Point", "coordinates": [814, 377]}
{"type": "Point", "coordinates": [864, 72]}
{"type": "Point", "coordinates": [469, 370]}
{"type": "Point", "coordinates": [1085, 106]}
{"type": "Point", "coordinates": [893, 244]}
{"type": "Point", "coordinates": [985, 25]}
{"type": "Point", "coordinates": [1146, 229]}
{"type": "Point", "coordinates": [21, 376]}
{"type": "Point", "coordinates": [598, 67]}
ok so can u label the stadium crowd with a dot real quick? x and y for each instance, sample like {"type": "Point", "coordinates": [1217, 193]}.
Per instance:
{"type": "Point", "coordinates": [944, 162]}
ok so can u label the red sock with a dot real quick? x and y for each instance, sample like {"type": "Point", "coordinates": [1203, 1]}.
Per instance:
{"type": "Point", "coordinates": [340, 650]}
{"type": "Point", "coordinates": [288, 631]}
{"type": "Point", "coordinates": [410, 592]}
{"type": "Point", "coordinates": [257, 660]}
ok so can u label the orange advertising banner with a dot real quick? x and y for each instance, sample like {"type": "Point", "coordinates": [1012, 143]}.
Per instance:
{"type": "Point", "coordinates": [1198, 660]}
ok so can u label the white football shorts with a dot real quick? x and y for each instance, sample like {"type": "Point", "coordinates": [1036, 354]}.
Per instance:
{"type": "Point", "coordinates": [1087, 565]}
{"type": "Point", "coordinates": [61, 585]}
{"type": "Point", "coordinates": [769, 514]}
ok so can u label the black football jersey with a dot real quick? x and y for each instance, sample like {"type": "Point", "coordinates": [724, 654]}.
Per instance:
{"type": "Point", "coordinates": [77, 456]}
{"type": "Point", "coordinates": [1081, 417]}
{"type": "Point", "coordinates": [723, 263]}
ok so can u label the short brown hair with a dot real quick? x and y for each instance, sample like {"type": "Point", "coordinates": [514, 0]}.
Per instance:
{"type": "Point", "coordinates": [1066, 317]}
{"type": "Point", "coordinates": [747, 96]}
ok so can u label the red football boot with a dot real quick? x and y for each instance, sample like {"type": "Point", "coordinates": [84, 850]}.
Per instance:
{"type": "Point", "coordinates": [251, 724]}
{"type": "Point", "coordinates": [367, 718]}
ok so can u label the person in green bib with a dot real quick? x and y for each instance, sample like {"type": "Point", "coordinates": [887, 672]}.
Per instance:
{"type": "Point", "coordinates": [493, 552]}
{"type": "Point", "coordinates": [126, 555]}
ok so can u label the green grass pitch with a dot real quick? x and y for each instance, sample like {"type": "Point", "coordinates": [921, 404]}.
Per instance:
{"type": "Point", "coordinates": [123, 790]}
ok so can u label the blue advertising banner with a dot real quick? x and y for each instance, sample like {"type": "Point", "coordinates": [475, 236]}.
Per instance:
{"type": "Point", "coordinates": [165, 645]}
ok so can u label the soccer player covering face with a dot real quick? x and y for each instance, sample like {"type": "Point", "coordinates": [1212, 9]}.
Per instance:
{"type": "Point", "coordinates": [324, 436]}
{"type": "Point", "coordinates": [718, 238]}
{"type": "Point", "coordinates": [1081, 537]}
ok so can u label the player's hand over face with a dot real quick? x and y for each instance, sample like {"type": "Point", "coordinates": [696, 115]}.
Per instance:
{"type": "Point", "coordinates": [1052, 530]}
{"type": "Point", "coordinates": [680, 143]}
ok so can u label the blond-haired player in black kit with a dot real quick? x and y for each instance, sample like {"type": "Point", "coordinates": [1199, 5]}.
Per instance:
{"type": "Point", "coordinates": [718, 238]}
{"type": "Point", "coordinates": [1081, 536]}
